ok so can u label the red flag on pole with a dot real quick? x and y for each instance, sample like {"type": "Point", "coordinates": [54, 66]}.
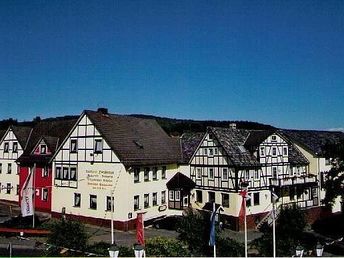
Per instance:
{"type": "Point", "coordinates": [140, 237]}
{"type": "Point", "coordinates": [242, 212]}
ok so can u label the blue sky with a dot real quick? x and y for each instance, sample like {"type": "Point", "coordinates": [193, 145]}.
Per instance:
{"type": "Point", "coordinates": [275, 62]}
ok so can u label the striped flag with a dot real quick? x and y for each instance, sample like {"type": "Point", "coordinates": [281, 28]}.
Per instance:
{"type": "Point", "coordinates": [140, 237]}
{"type": "Point", "coordinates": [26, 204]}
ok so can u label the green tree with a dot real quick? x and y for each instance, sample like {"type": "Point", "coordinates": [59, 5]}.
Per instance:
{"type": "Point", "coordinates": [226, 247]}
{"type": "Point", "coordinates": [334, 183]}
{"type": "Point", "coordinates": [67, 233]}
{"type": "Point", "coordinates": [289, 228]}
{"type": "Point", "coordinates": [163, 246]}
{"type": "Point", "coordinates": [194, 230]}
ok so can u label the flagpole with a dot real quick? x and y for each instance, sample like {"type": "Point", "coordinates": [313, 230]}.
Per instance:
{"type": "Point", "coordinates": [274, 224]}
{"type": "Point", "coordinates": [214, 229]}
{"type": "Point", "coordinates": [112, 211]}
{"type": "Point", "coordinates": [245, 225]}
{"type": "Point", "coordinates": [34, 194]}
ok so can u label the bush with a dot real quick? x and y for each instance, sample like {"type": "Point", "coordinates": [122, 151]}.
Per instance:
{"type": "Point", "coordinates": [226, 247]}
{"type": "Point", "coordinates": [163, 246]}
{"type": "Point", "coordinates": [66, 233]}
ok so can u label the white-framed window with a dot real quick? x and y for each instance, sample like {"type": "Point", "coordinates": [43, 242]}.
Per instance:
{"type": "Point", "coordinates": [136, 175]}
{"type": "Point", "coordinates": [109, 203]}
{"type": "Point", "coordinates": [44, 196]}
{"type": "Point", "coordinates": [205, 151]}
{"type": "Point", "coordinates": [247, 175]}
{"type": "Point", "coordinates": [199, 196]}
{"type": "Point", "coordinates": [171, 195]}
{"type": "Point", "coordinates": [211, 173]}
{"type": "Point", "coordinates": [58, 173]}
{"type": "Point", "coordinates": [225, 200]}
{"type": "Point", "coordinates": [274, 151]}
{"type": "Point", "coordinates": [43, 149]}
{"type": "Point", "coordinates": [215, 151]}
{"type": "Point", "coordinates": [256, 174]}
{"type": "Point", "coordinates": [285, 151]}
{"type": "Point", "coordinates": [274, 172]}
{"type": "Point", "coordinates": [73, 145]}
{"type": "Point", "coordinates": [163, 197]}
{"type": "Point", "coordinates": [224, 174]}
{"type": "Point", "coordinates": [199, 173]}
{"type": "Point", "coordinates": [15, 147]}
{"type": "Point", "coordinates": [45, 172]}
{"type": "Point", "coordinates": [155, 173]}
{"type": "Point", "coordinates": [93, 201]}
{"type": "Point", "coordinates": [136, 202]}
{"type": "Point", "coordinates": [8, 188]}
{"type": "Point", "coordinates": [72, 174]}
{"type": "Point", "coordinates": [256, 199]}
{"type": "Point", "coordinates": [77, 199]}
{"type": "Point", "coordinates": [6, 146]}
{"type": "Point", "coordinates": [0, 168]}
{"type": "Point", "coordinates": [98, 146]}
{"type": "Point", "coordinates": [211, 196]}
{"type": "Point", "coordinates": [327, 161]}
{"type": "Point", "coordinates": [211, 151]}
{"type": "Point", "coordinates": [163, 172]}
{"type": "Point", "coordinates": [146, 175]}
{"type": "Point", "coordinates": [155, 199]}
{"type": "Point", "coordinates": [273, 138]}
{"type": "Point", "coordinates": [262, 151]}
{"type": "Point", "coordinates": [9, 168]}
{"type": "Point", "coordinates": [18, 189]}
{"type": "Point", "coordinates": [177, 195]}
{"type": "Point", "coordinates": [65, 173]}
{"type": "Point", "coordinates": [146, 200]}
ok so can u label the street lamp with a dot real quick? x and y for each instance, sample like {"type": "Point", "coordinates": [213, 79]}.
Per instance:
{"type": "Point", "coordinates": [139, 251]}
{"type": "Point", "coordinates": [113, 251]}
{"type": "Point", "coordinates": [319, 249]}
{"type": "Point", "coordinates": [299, 250]}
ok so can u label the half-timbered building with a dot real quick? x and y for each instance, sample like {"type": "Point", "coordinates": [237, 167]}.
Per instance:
{"type": "Point", "coordinates": [114, 161]}
{"type": "Point", "coordinates": [12, 145]}
{"type": "Point", "coordinates": [312, 144]}
{"type": "Point", "coordinates": [45, 138]}
{"type": "Point", "coordinates": [266, 160]}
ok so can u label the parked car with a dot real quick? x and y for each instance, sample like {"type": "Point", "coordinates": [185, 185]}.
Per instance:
{"type": "Point", "coordinates": [169, 222]}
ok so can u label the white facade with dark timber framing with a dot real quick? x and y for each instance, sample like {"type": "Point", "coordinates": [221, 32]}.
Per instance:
{"type": "Point", "coordinates": [266, 160]}
{"type": "Point", "coordinates": [11, 147]}
{"type": "Point", "coordinates": [109, 156]}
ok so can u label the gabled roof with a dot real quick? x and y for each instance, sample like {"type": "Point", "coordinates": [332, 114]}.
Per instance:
{"type": "Point", "coordinates": [233, 140]}
{"type": "Point", "coordinates": [256, 137]}
{"type": "Point", "coordinates": [180, 181]}
{"type": "Point", "coordinates": [52, 131]}
{"type": "Point", "coordinates": [22, 133]}
{"type": "Point", "coordinates": [189, 143]}
{"type": "Point", "coordinates": [2, 133]}
{"type": "Point", "coordinates": [136, 141]}
{"type": "Point", "coordinates": [314, 141]}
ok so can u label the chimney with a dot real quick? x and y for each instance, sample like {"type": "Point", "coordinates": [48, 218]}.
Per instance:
{"type": "Point", "coordinates": [103, 111]}
{"type": "Point", "coordinates": [232, 126]}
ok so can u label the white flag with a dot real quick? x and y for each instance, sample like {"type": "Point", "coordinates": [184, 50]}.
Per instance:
{"type": "Point", "coordinates": [26, 194]}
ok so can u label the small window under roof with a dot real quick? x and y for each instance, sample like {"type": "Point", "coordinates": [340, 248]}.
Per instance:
{"type": "Point", "coordinates": [138, 144]}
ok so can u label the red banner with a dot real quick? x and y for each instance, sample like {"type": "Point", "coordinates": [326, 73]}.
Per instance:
{"type": "Point", "coordinates": [242, 212]}
{"type": "Point", "coordinates": [140, 236]}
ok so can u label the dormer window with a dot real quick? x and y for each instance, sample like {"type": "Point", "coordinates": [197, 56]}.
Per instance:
{"type": "Point", "coordinates": [43, 149]}
{"type": "Point", "coordinates": [98, 146]}
{"type": "Point", "coordinates": [73, 145]}
{"type": "Point", "coordinates": [6, 147]}
{"type": "Point", "coordinates": [15, 147]}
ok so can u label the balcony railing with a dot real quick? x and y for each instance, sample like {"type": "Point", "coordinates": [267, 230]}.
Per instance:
{"type": "Point", "coordinates": [279, 182]}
